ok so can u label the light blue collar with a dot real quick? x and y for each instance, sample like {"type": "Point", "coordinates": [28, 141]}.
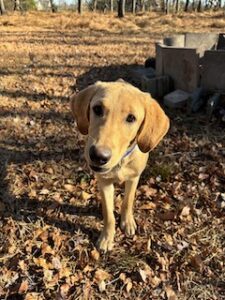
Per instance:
{"type": "Point", "coordinates": [129, 150]}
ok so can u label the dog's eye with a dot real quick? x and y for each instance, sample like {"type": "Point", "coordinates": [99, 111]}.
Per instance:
{"type": "Point", "coordinates": [130, 118]}
{"type": "Point", "coordinates": [98, 110]}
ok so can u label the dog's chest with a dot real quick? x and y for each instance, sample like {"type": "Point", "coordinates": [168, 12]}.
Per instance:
{"type": "Point", "coordinates": [115, 174]}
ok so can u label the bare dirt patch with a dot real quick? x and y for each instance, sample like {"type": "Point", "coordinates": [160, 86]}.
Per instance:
{"type": "Point", "coordinates": [50, 215]}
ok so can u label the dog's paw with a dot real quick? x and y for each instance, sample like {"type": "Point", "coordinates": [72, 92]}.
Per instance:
{"type": "Point", "coordinates": [105, 242]}
{"type": "Point", "coordinates": [128, 224]}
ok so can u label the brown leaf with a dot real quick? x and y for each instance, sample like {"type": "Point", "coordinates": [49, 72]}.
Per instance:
{"type": "Point", "coordinates": [122, 277]}
{"type": "Point", "coordinates": [69, 187]}
{"type": "Point", "coordinates": [45, 248]}
{"type": "Point", "coordinates": [56, 263]}
{"type": "Point", "coordinates": [41, 262]}
{"type": "Point", "coordinates": [33, 296]}
{"type": "Point", "coordinates": [44, 192]}
{"type": "Point", "coordinates": [155, 281]}
{"type": "Point", "coordinates": [196, 262]}
{"type": "Point", "coordinates": [95, 254]}
{"type": "Point", "coordinates": [185, 211]}
{"type": "Point", "coordinates": [171, 295]}
{"type": "Point", "coordinates": [147, 206]}
{"type": "Point", "coordinates": [148, 191]}
{"type": "Point", "coordinates": [129, 285]}
{"type": "Point", "coordinates": [142, 274]}
{"type": "Point", "coordinates": [100, 275]}
{"type": "Point", "coordinates": [23, 287]}
{"type": "Point", "coordinates": [64, 289]}
{"type": "Point", "coordinates": [101, 286]}
{"type": "Point", "coordinates": [64, 272]}
{"type": "Point", "coordinates": [118, 202]}
{"type": "Point", "coordinates": [85, 196]}
{"type": "Point", "coordinates": [203, 176]}
{"type": "Point", "coordinates": [167, 215]}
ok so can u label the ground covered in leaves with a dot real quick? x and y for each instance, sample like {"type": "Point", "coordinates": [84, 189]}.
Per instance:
{"type": "Point", "coordinates": [50, 215]}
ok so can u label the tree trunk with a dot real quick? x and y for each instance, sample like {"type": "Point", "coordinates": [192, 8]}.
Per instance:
{"type": "Point", "coordinates": [162, 5]}
{"type": "Point", "coordinates": [17, 5]}
{"type": "Point", "coordinates": [199, 8]}
{"type": "Point", "coordinates": [79, 8]}
{"type": "Point", "coordinates": [167, 7]}
{"type": "Point", "coordinates": [186, 5]}
{"type": "Point", "coordinates": [143, 5]}
{"type": "Point", "coordinates": [121, 8]}
{"type": "Point", "coordinates": [2, 7]}
{"type": "Point", "coordinates": [177, 6]}
{"type": "Point", "coordinates": [95, 5]}
{"type": "Point", "coordinates": [111, 6]}
{"type": "Point", "coordinates": [134, 6]}
{"type": "Point", "coordinates": [53, 6]}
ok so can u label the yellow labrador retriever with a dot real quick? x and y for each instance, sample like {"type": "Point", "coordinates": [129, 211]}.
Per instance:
{"type": "Point", "coordinates": [122, 124]}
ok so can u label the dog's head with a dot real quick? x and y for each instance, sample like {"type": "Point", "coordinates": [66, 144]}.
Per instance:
{"type": "Point", "coordinates": [116, 115]}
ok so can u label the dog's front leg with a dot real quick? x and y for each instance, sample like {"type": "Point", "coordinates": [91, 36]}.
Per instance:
{"type": "Point", "coordinates": [105, 241]}
{"type": "Point", "coordinates": [127, 218]}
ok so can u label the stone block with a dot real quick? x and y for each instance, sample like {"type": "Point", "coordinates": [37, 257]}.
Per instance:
{"type": "Point", "coordinates": [221, 42]}
{"type": "Point", "coordinates": [139, 72]}
{"type": "Point", "coordinates": [213, 71]}
{"type": "Point", "coordinates": [176, 99]}
{"type": "Point", "coordinates": [177, 40]}
{"type": "Point", "coordinates": [159, 58]}
{"type": "Point", "coordinates": [196, 100]}
{"type": "Point", "coordinates": [212, 104]}
{"type": "Point", "coordinates": [157, 87]}
{"type": "Point", "coordinates": [182, 65]}
{"type": "Point", "coordinates": [201, 41]}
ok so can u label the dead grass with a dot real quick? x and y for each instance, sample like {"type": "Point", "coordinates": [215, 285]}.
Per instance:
{"type": "Point", "coordinates": [49, 210]}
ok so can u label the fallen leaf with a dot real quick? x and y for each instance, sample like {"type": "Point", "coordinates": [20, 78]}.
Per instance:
{"type": "Point", "coordinates": [147, 206]}
{"type": "Point", "coordinates": [122, 277]}
{"type": "Point", "coordinates": [203, 176]}
{"type": "Point", "coordinates": [171, 295]}
{"type": "Point", "coordinates": [56, 263]}
{"type": "Point", "coordinates": [44, 192]}
{"type": "Point", "coordinates": [101, 286]}
{"type": "Point", "coordinates": [196, 262]}
{"type": "Point", "coordinates": [129, 285]}
{"type": "Point", "coordinates": [41, 262]}
{"type": "Point", "coordinates": [23, 287]}
{"type": "Point", "coordinates": [185, 211]}
{"type": "Point", "coordinates": [167, 215]}
{"type": "Point", "coordinates": [155, 281]}
{"type": "Point", "coordinates": [85, 196]}
{"type": "Point", "coordinates": [69, 187]}
{"type": "Point", "coordinates": [142, 274]}
{"type": "Point", "coordinates": [64, 289]}
{"type": "Point", "coordinates": [95, 254]}
{"type": "Point", "coordinates": [101, 275]}
{"type": "Point", "coordinates": [148, 191]}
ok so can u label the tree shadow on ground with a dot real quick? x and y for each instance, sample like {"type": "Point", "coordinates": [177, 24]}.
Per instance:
{"type": "Point", "coordinates": [107, 73]}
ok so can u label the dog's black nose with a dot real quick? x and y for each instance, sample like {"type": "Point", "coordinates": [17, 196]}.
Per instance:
{"type": "Point", "coordinates": [100, 155]}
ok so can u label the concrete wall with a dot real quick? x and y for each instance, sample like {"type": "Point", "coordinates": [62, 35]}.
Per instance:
{"type": "Point", "coordinates": [201, 41]}
{"type": "Point", "coordinates": [181, 64]}
{"type": "Point", "coordinates": [186, 58]}
{"type": "Point", "coordinates": [213, 71]}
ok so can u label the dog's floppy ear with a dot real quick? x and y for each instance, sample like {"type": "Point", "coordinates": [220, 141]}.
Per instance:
{"type": "Point", "coordinates": [80, 107]}
{"type": "Point", "coordinates": [154, 127]}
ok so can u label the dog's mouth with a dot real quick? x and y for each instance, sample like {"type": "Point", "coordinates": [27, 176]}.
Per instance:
{"type": "Point", "coordinates": [99, 169]}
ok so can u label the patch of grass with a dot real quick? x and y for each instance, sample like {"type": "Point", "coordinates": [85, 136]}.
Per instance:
{"type": "Point", "coordinates": [163, 170]}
